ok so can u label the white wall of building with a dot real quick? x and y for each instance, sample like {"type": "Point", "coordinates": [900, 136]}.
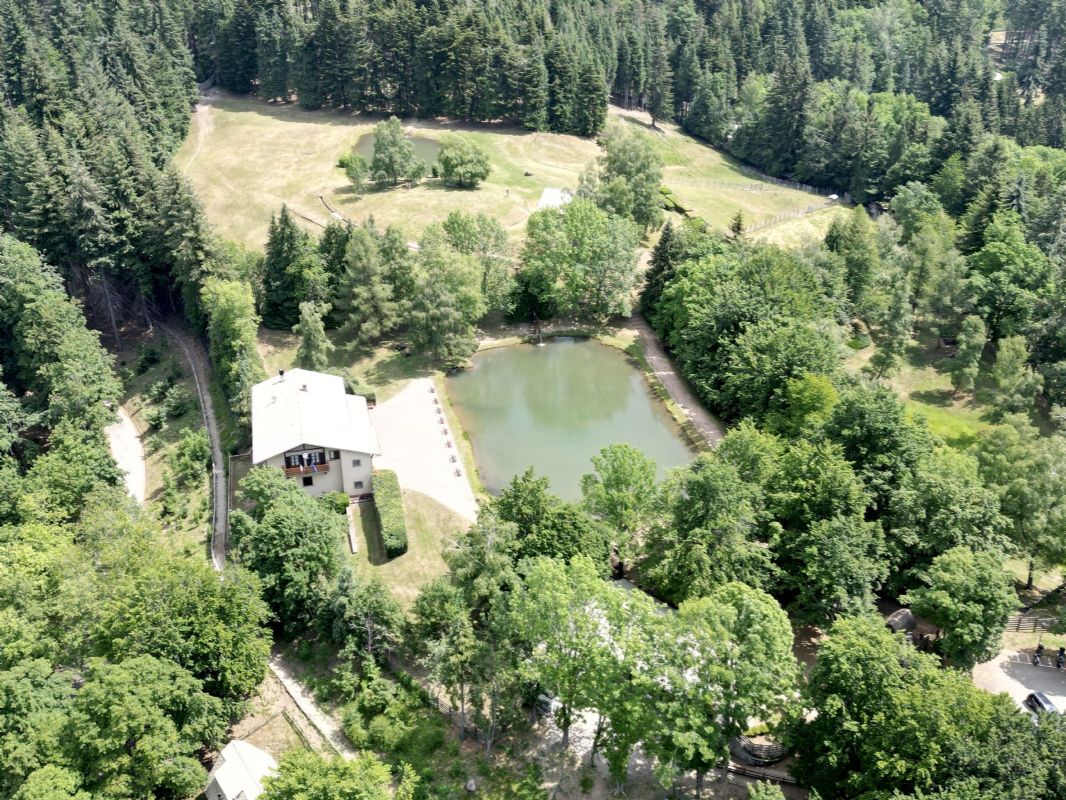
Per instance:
{"type": "Point", "coordinates": [342, 475]}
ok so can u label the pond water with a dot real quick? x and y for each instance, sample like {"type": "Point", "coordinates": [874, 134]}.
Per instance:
{"type": "Point", "coordinates": [425, 149]}
{"type": "Point", "coordinates": [554, 407]}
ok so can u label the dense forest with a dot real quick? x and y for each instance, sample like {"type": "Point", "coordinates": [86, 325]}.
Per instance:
{"type": "Point", "coordinates": [122, 663]}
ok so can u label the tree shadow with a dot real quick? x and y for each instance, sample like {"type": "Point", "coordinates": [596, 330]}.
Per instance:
{"type": "Point", "coordinates": [399, 366]}
{"type": "Point", "coordinates": [375, 547]}
{"type": "Point", "coordinates": [934, 397]}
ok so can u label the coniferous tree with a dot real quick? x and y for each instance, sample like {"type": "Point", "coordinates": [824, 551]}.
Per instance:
{"type": "Point", "coordinates": [273, 50]}
{"type": "Point", "coordinates": [532, 88]}
{"type": "Point", "coordinates": [315, 346]}
{"type": "Point", "coordinates": [237, 67]}
{"type": "Point", "coordinates": [659, 99]}
{"type": "Point", "coordinates": [365, 302]}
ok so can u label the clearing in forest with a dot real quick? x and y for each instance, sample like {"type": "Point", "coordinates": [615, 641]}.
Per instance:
{"type": "Point", "coordinates": [246, 157]}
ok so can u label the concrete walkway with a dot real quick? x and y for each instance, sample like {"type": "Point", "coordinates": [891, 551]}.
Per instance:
{"type": "Point", "coordinates": [415, 445]}
{"type": "Point", "coordinates": [680, 392]}
{"type": "Point", "coordinates": [325, 724]}
{"type": "Point", "coordinates": [124, 440]}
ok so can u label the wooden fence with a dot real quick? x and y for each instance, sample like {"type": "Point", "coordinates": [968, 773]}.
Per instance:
{"type": "Point", "coordinates": [794, 214]}
{"type": "Point", "coordinates": [1023, 624]}
{"type": "Point", "coordinates": [436, 700]}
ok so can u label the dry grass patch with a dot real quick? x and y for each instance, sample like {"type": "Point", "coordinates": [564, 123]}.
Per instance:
{"type": "Point", "coordinates": [245, 158]}
{"type": "Point", "coordinates": [794, 233]}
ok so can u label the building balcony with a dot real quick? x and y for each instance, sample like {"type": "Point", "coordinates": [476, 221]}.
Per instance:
{"type": "Point", "coordinates": [319, 469]}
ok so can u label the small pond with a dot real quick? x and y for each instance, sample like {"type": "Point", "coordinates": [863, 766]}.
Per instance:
{"type": "Point", "coordinates": [554, 407]}
{"type": "Point", "coordinates": [425, 149]}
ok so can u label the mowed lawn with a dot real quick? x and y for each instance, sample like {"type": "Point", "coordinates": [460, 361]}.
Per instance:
{"type": "Point", "coordinates": [245, 158]}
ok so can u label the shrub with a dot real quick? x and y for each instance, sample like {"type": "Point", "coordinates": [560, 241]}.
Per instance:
{"type": "Point", "coordinates": [177, 402]}
{"type": "Point", "coordinates": [385, 732]}
{"type": "Point", "coordinates": [388, 503]}
{"type": "Point", "coordinates": [335, 501]}
{"type": "Point", "coordinates": [148, 357]}
{"type": "Point", "coordinates": [158, 390]}
{"type": "Point", "coordinates": [355, 386]}
{"type": "Point", "coordinates": [156, 419]}
{"type": "Point", "coordinates": [354, 729]}
{"type": "Point", "coordinates": [192, 455]}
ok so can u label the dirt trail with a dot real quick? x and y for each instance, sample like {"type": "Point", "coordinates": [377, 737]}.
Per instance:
{"type": "Point", "coordinates": [680, 392]}
{"type": "Point", "coordinates": [202, 115]}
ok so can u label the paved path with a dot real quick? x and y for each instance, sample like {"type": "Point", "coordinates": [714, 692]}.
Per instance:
{"type": "Point", "coordinates": [680, 392]}
{"type": "Point", "coordinates": [125, 442]}
{"type": "Point", "coordinates": [415, 445]}
{"type": "Point", "coordinates": [326, 725]}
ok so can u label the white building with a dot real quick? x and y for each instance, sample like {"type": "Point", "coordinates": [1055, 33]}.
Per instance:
{"type": "Point", "coordinates": [239, 772]}
{"type": "Point", "coordinates": [305, 423]}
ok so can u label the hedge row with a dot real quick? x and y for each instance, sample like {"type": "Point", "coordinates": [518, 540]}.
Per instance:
{"type": "Point", "coordinates": [388, 503]}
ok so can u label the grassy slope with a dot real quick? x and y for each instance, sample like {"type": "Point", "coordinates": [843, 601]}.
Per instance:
{"type": "Point", "coordinates": [190, 533]}
{"type": "Point", "coordinates": [924, 385]}
{"type": "Point", "coordinates": [245, 158]}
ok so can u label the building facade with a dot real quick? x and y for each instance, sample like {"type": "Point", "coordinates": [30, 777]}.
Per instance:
{"type": "Point", "coordinates": [307, 425]}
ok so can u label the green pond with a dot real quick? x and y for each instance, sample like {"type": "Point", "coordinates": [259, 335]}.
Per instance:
{"type": "Point", "coordinates": [553, 407]}
{"type": "Point", "coordinates": [425, 149]}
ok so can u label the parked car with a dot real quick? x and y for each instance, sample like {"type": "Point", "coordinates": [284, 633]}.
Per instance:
{"type": "Point", "coordinates": [1038, 702]}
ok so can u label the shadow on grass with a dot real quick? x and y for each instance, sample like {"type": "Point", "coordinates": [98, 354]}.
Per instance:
{"type": "Point", "coordinates": [398, 367]}
{"type": "Point", "coordinates": [934, 397]}
{"type": "Point", "coordinates": [368, 521]}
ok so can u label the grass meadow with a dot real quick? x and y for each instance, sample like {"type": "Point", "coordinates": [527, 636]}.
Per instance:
{"type": "Point", "coordinates": [245, 158]}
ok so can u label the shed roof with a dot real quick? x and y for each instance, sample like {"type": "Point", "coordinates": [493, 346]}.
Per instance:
{"type": "Point", "coordinates": [240, 770]}
{"type": "Point", "coordinates": [301, 407]}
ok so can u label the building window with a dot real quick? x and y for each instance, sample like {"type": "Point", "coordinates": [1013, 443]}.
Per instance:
{"type": "Point", "coordinates": [334, 455]}
{"type": "Point", "coordinates": [357, 462]}
{"type": "Point", "coordinates": [358, 484]}
{"type": "Point", "coordinates": [308, 480]}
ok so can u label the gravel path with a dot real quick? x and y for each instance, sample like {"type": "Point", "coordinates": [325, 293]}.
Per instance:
{"type": "Point", "coordinates": [680, 392]}
{"type": "Point", "coordinates": [125, 442]}
{"type": "Point", "coordinates": [415, 445]}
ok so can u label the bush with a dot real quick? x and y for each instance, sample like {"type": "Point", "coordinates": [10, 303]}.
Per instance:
{"type": "Point", "coordinates": [156, 419]}
{"type": "Point", "coordinates": [177, 402]}
{"type": "Point", "coordinates": [192, 456]}
{"type": "Point", "coordinates": [388, 503]}
{"type": "Point", "coordinates": [385, 732]}
{"type": "Point", "coordinates": [354, 729]}
{"type": "Point", "coordinates": [157, 392]}
{"type": "Point", "coordinates": [355, 386]}
{"type": "Point", "coordinates": [335, 501]}
{"type": "Point", "coordinates": [148, 357]}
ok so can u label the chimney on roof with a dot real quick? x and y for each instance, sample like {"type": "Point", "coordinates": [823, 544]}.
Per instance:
{"type": "Point", "coordinates": [304, 387]}
{"type": "Point", "coordinates": [281, 374]}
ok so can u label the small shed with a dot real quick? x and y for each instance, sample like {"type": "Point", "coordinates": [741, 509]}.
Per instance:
{"type": "Point", "coordinates": [901, 620]}
{"type": "Point", "coordinates": [239, 772]}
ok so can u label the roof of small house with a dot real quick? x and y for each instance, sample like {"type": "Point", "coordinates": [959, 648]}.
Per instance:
{"type": "Point", "coordinates": [240, 770]}
{"type": "Point", "coordinates": [301, 407]}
